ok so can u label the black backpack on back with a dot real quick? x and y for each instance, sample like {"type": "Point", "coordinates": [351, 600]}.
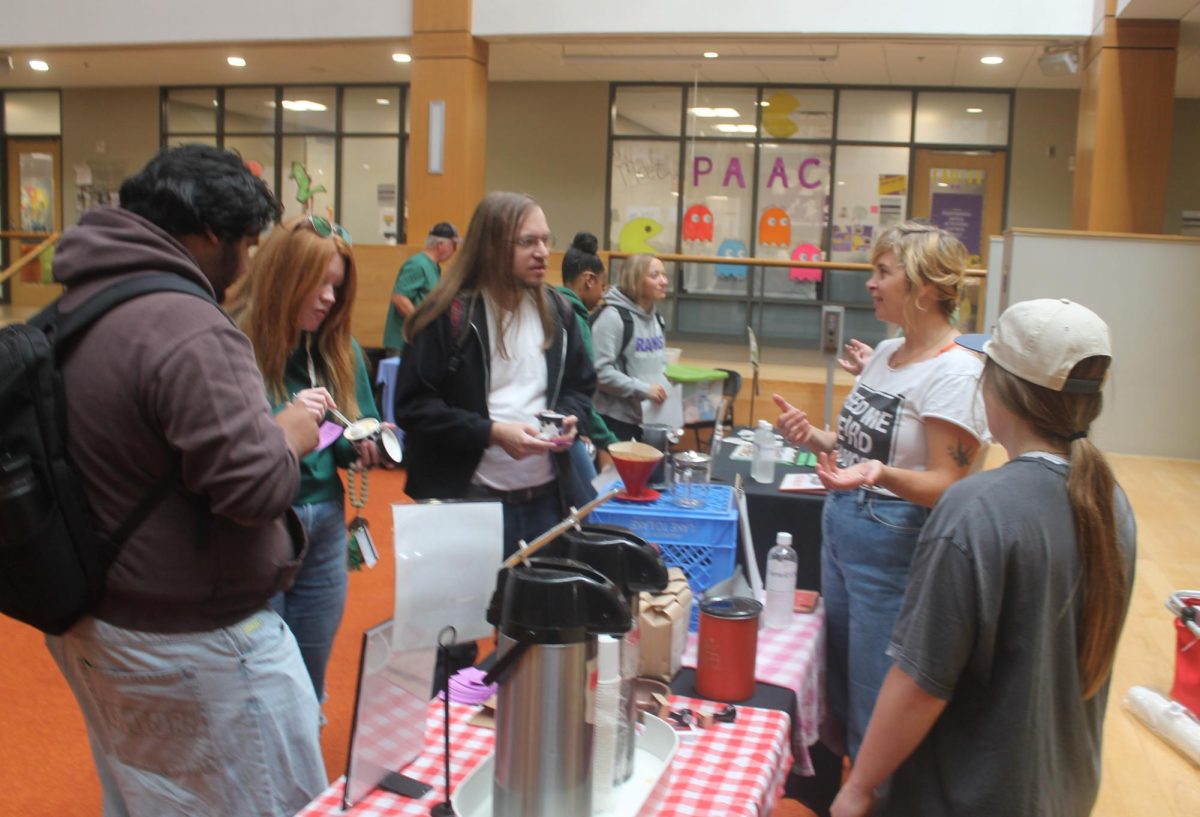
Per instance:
{"type": "Point", "coordinates": [53, 559]}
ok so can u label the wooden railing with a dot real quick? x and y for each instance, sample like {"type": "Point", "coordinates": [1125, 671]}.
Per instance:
{"type": "Point", "coordinates": [19, 264]}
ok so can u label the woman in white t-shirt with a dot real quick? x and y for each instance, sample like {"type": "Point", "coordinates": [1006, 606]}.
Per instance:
{"type": "Point", "coordinates": [913, 425]}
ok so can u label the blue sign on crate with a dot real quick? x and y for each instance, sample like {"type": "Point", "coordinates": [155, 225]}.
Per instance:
{"type": "Point", "coordinates": [702, 541]}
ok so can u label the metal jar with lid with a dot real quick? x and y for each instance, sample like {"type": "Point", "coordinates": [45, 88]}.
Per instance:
{"type": "Point", "coordinates": [728, 647]}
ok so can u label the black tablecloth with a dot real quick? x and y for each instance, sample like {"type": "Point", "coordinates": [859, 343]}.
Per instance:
{"type": "Point", "coordinates": [771, 511]}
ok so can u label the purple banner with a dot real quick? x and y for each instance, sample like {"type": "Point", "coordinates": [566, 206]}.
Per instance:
{"type": "Point", "coordinates": [962, 215]}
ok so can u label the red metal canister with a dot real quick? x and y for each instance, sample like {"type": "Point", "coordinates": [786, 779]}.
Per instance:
{"type": "Point", "coordinates": [728, 648]}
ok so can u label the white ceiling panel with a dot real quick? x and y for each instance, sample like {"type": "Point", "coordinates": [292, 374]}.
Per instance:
{"type": "Point", "coordinates": [920, 63]}
{"type": "Point", "coordinates": [857, 64]}
{"type": "Point", "coordinates": [970, 72]}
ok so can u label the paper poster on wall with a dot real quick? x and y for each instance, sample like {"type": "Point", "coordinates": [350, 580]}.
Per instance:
{"type": "Point", "coordinates": [960, 214]}
{"type": "Point", "coordinates": [891, 184]}
{"type": "Point", "coordinates": [387, 224]}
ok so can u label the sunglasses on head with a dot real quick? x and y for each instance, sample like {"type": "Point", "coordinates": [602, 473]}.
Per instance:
{"type": "Point", "coordinates": [325, 228]}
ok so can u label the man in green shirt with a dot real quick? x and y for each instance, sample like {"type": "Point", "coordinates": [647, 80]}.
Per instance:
{"type": "Point", "coordinates": [417, 277]}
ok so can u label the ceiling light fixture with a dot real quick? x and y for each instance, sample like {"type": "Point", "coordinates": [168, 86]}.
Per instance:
{"type": "Point", "coordinates": [400, 56]}
{"type": "Point", "coordinates": [39, 65]}
{"type": "Point", "coordinates": [991, 60]}
{"type": "Point", "coordinates": [974, 110]}
{"type": "Point", "coordinates": [383, 101]}
{"type": "Point", "coordinates": [714, 113]}
{"type": "Point", "coordinates": [236, 62]}
{"type": "Point", "coordinates": [711, 55]}
{"type": "Point", "coordinates": [302, 105]}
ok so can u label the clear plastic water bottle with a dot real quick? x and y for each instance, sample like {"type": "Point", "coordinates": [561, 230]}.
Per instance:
{"type": "Point", "coordinates": [781, 582]}
{"type": "Point", "coordinates": [762, 467]}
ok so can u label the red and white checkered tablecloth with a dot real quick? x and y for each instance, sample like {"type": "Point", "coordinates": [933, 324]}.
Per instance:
{"type": "Point", "coordinates": [735, 769]}
{"type": "Point", "coordinates": [793, 658]}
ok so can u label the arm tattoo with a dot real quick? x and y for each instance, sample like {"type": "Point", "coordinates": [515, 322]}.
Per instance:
{"type": "Point", "coordinates": [961, 455]}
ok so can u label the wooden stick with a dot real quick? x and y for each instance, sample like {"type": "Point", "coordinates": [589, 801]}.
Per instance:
{"type": "Point", "coordinates": [562, 527]}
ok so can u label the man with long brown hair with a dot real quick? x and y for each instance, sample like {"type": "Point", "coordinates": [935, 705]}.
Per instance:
{"type": "Point", "coordinates": [490, 348]}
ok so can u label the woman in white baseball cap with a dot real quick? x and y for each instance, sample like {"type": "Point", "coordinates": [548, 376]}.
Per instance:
{"type": "Point", "coordinates": [1020, 584]}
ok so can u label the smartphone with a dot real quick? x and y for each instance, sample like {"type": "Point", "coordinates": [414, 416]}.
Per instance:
{"type": "Point", "coordinates": [404, 785]}
{"type": "Point", "coordinates": [806, 601]}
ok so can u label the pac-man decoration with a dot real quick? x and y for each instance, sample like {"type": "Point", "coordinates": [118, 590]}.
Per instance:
{"type": "Point", "coordinates": [774, 228]}
{"type": "Point", "coordinates": [732, 248]}
{"type": "Point", "coordinates": [777, 115]}
{"type": "Point", "coordinates": [698, 224]}
{"type": "Point", "coordinates": [635, 236]}
{"type": "Point", "coordinates": [805, 252]}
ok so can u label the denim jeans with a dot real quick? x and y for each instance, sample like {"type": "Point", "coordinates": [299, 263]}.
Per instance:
{"type": "Point", "coordinates": [313, 606]}
{"type": "Point", "coordinates": [866, 553]}
{"type": "Point", "coordinates": [220, 722]}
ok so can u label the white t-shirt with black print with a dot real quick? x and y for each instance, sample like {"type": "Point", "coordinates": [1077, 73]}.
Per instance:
{"type": "Point", "coordinates": [884, 416]}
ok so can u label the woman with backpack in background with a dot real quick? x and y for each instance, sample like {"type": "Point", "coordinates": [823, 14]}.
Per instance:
{"type": "Point", "coordinates": [295, 308]}
{"type": "Point", "coordinates": [628, 338]}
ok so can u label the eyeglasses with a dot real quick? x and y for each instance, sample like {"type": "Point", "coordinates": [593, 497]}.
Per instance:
{"type": "Point", "coordinates": [325, 228]}
{"type": "Point", "coordinates": [528, 242]}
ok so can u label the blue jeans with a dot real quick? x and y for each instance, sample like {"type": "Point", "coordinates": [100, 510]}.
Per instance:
{"type": "Point", "coordinates": [216, 722]}
{"type": "Point", "coordinates": [313, 606]}
{"type": "Point", "coordinates": [866, 553]}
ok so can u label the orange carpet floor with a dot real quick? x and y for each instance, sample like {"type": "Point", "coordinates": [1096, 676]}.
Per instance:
{"type": "Point", "coordinates": [45, 765]}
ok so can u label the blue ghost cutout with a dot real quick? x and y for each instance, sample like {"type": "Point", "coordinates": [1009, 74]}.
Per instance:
{"type": "Point", "coordinates": [732, 248]}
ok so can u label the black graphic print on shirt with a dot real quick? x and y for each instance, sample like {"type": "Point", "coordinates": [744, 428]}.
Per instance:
{"type": "Point", "coordinates": [867, 426]}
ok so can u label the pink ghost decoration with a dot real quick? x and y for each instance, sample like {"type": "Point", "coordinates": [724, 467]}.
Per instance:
{"type": "Point", "coordinates": [698, 224]}
{"type": "Point", "coordinates": [805, 252]}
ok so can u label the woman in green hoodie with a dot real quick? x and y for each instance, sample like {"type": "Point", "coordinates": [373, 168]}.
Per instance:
{"type": "Point", "coordinates": [295, 308]}
{"type": "Point", "coordinates": [584, 280]}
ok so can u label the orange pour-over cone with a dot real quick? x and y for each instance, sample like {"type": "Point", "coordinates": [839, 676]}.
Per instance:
{"type": "Point", "coordinates": [635, 462]}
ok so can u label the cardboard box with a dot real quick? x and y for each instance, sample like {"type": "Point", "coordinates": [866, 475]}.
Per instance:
{"type": "Point", "coordinates": [664, 619]}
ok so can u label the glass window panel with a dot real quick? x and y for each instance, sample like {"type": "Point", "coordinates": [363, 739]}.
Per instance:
{"type": "Point", "coordinates": [309, 175]}
{"type": "Point", "coordinates": [862, 324]}
{"type": "Point", "coordinates": [32, 113]}
{"type": "Point", "coordinates": [717, 212]}
{"type": "Point", "coordinates": [793, 215]}
{"type": "Point", "coordinates": [249, 110]}
{"type": "Point", "coordinates": [371, 110]}
{"type": "Point", "coordinates": [646, 112]}
{"type": "Point", "coordinates": [870, 192]}
{"type": "Point", "coordinates": [724, 112]}
{"type": "Point", "coordinates": [645, 191]}
{"type": "Point", "coordinates": [192, 110]}
{"type": "Point", "coordinates": [712, 317]}
{"type": "Point", "coordinates": [370, 167]}
{"type": "Point", "coordinates": [962, 119]}
{"type": "Point", "coordinates": [848, 285]}
{"type": "Point", "coordinates": [875, 116]}
{"type": "Point", "coordinates": [309, 110]}
{"type": "Point", "coordinates": [258, 152]}
{"type": "Point", "coordinates": [192, 139]}
{"type": "Point", "coordinates": [797, 113]}
{"type": "Point", "coordinates": [793, 322]}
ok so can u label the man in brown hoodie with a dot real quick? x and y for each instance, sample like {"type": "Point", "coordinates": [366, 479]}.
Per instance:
{"type": "Point", "coordinates": [194, 693]}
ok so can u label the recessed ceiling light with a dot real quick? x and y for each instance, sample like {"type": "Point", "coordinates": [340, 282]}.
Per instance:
{"type": "Point", "coordinates": [991, 60]}
{"type": "Point", "coordinates": [400, 56]}
{"type": "Point", "coordinates": [302, 105]}
{"type": "Point", "coordinates": [39, 65]}
{"type": "Point", "coordinates": [711, 55]}
{"type": "Point", "coordinates": [719, 113]}
{"type": "Point", "coordinates": [383, 101]}
{"type": "Point", "coordinates": [236, 62]}
{"type": "Point", "coordinates": [974, 110]}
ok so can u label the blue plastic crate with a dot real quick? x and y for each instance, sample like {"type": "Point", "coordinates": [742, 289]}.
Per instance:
{"type": "Point", "coordinates": [702, 541]}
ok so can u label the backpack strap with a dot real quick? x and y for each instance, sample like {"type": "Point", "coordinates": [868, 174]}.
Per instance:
{"type": "Point", "coordinates": [626, 331]}
{"type": "Point", "coordinates": [62, 328]}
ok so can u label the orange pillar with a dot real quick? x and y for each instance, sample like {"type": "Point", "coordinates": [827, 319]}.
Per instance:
{"type": "Point", "coordinates": [449, 67]}
{"type": "Point", "coordinates": [1126, 111]}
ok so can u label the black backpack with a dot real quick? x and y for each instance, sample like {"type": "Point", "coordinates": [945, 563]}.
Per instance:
{"type": "Point", "coordinates": [626, 329]}
{"type": "Point", "coordinates": [53, 558]}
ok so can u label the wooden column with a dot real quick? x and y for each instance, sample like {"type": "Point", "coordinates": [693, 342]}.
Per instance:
{"type": "Point", "coordinates": [449, 66]}
{"type": "Point", "coordinates": [1126, 111]}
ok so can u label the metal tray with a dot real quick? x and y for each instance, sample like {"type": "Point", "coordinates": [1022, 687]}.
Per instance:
{"type": "Point", "coordinates": [640, 794]}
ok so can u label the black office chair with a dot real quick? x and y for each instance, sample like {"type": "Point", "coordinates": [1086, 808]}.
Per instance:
{"type": "Point", "coordinates": [729, 392]}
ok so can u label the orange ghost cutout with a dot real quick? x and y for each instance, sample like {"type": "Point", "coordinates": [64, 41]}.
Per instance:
{"type": "Point", "coordinates": [698, 224]}
{"type": "Point", "coordinates": [805, 252]}
{"type": "Point", "coordinates": [775, 228]}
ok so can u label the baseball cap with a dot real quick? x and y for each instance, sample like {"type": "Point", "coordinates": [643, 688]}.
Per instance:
{"type": "Point", "coordinates": [444, 229]}
{"type": "Point", "coordinates": [1042, 340]}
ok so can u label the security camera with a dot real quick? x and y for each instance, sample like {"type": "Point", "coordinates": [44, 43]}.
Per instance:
{"type": "Point", "coordinates": [1059, 63]}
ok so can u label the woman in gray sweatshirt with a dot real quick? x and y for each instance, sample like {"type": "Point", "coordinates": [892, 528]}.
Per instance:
{"type": "Point", "coordinates": [628, 339]}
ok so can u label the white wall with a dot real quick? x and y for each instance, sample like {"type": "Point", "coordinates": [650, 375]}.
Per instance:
{"type": "Point", "coordinates": [1146, 289]}
{"type": "Point", "coordinates": [73, 23]}
{"type": "Point", "coordinates": [1034, 18]}
{"type": "Point", "coordinates": [1041, 185]}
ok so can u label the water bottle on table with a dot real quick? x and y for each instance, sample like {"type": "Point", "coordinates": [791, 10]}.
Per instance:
{"type": "Point", "coordinates": [762, 466]}
{"type": "Point", "coordinates": [781, 582]}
